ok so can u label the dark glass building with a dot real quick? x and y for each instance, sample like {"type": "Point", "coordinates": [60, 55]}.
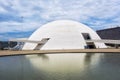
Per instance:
{"type": "Point", "coordinates": [111, 33]}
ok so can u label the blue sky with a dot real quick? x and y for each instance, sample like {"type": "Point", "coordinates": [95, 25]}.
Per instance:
{"type": "Point", "coordinates": [20, 18]}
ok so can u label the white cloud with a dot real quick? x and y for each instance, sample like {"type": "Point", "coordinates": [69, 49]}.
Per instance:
{"type": "Point", "coordinates": [18, 27]}
{"type": "Point", "coordinates": [2, 10]}
{"type": "Point", "coordinates": [37, 11]}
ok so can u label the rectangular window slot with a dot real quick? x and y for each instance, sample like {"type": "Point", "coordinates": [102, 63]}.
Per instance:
{"type": "Point", "coordinates": [90, 45]}
{"type": "Point", "coordinates": [40, 45]}
{"type": "Point", "coordinates": [86, 36]}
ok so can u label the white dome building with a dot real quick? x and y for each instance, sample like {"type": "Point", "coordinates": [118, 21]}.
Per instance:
{"type": "Point", "coordinates": [63, 34]}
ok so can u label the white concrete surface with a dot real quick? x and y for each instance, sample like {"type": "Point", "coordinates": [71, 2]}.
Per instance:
{"type": "Point", "coordinates": [63, 34]}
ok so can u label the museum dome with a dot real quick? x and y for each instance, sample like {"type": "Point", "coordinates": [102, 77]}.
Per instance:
{"type": "Point", "coordinates": [63, 34]}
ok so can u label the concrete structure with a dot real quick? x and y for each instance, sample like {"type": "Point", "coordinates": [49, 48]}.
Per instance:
{"type": "Point", "coordinates": [63, 34]}
{"type": "Point", "coordinates": [7, 45]}
{"type": "Point", "coordinates": [111, 34]}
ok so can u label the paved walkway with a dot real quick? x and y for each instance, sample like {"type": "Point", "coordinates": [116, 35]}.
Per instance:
{"type": "Point", "coordinates": [29, 52]}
